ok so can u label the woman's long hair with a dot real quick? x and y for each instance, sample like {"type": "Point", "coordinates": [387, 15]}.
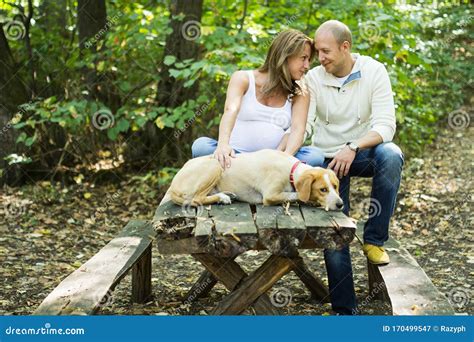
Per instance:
{"type": "Point", "coordinates": [285, 45]}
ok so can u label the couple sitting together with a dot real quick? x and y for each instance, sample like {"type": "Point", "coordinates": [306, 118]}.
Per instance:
{"type": "Point", "coordinates": [345, 104]}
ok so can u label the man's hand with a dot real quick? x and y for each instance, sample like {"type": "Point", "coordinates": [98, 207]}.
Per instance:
{"type": "Point", "coordinates": [223, 154]}
{"type": "Point", "coordinates": [342, 161]}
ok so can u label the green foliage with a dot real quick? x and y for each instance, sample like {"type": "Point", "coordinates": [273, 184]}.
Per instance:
{"type": "Point", "coordinates": [424, 47]}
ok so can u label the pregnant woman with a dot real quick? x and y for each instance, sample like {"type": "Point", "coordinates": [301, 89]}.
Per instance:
{"type": "Point", "coordinates": [263, 104]}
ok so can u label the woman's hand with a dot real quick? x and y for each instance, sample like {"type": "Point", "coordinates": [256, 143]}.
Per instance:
{"type": "Point", "coordinates": [299, 115]}
{"type": "Point", "coordinates": [238, 85]}
{"type": "Point", "coordinates": [283, 142]}
{"type": "Point", "coordinates": [223, 154]}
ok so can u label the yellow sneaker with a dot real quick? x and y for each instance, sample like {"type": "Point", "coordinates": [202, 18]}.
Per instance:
{"type": "Point", "coordinates": [375, 254]}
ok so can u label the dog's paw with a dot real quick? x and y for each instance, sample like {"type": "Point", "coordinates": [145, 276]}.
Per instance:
{"type": "Point", "coordinates": [224, 199]}
{"type": "Point", "coordinates": [232, 196]}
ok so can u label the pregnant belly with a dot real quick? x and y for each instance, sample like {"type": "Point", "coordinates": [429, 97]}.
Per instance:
{"type": "Point", "coordinates": [251, 136]}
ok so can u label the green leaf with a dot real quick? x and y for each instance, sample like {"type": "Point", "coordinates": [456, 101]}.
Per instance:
{"type": "Point", "coordinates": [141, 120]}
{"type": "Point", "coordinates": [29, 141]}
{"type": "Point", "coordinates": [101, 66]}
{"type": "Point", "coordinates": [169, 60]}
{"type": "Point", "coordinates": [413, 59]}
{"type": "Point", "coordinates": [125, 86]}
{"type": "Point", "coordinates": [152, 115]}
{"type": "Point", "coordinates": [123, 125]}
{"type": "Point", "coordinates": [175, 73]}
{"type": "Point", "coordinates": [19, 125]}
{"type": "Point", "coordinates": [21, 137]}
{"type": "Point", "coordinates": [112, 133]}
{"type": "Point", "coordinates": [188, 83]}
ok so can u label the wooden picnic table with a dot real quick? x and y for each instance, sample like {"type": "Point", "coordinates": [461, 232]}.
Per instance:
{"type": "Point", "coordinates": [217, 234]}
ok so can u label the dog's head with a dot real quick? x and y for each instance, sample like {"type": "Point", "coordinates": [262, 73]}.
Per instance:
{"type": "Point", "coordinates": [319, 186]}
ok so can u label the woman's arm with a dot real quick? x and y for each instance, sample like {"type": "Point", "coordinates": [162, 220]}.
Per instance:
{"type": "Point", "coordinates": [299, 116]}
{"type": "Point", "coordinates": [238, 85]}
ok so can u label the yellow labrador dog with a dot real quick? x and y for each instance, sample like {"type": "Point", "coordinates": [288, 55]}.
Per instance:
{"type": "Point", "coordinates": [267, 176]}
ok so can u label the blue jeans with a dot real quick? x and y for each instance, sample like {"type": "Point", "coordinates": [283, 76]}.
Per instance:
{"type": "Point", "coordinates": [311, 155]}
{"type": "Point", "coordinates": [384, 164]}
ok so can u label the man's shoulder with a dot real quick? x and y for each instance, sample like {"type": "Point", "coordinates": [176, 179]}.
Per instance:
{"type": "Point", "coordinates": [368, 63]}
{"type": "Point", "coordinates": [315, 75]}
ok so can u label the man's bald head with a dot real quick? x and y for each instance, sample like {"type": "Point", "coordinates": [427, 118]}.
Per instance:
{"type": "Point", "coordinates": [339, 30]}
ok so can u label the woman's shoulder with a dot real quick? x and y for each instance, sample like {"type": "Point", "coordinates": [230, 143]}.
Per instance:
{"type": "Point", "coordinates": [240, 77]}
{"type": "Point", "coordinates": [241, 74]}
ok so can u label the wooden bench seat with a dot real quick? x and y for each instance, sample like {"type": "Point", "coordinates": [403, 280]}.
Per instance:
{"type": "Point", "coordinates": [85, 290]}
{"type": "Point", "coordinates": [404, 285]}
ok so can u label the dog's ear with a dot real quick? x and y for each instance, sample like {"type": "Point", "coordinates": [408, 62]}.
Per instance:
{"type": "Point", "coordinates": [303, 186]}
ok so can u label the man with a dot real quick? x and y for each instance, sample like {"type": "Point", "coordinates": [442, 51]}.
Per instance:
{"type": "Point", "coordinates": [353, 115]}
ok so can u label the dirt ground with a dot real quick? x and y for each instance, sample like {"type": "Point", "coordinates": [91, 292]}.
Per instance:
{"type": "Point", "coordinates": [47, 231]}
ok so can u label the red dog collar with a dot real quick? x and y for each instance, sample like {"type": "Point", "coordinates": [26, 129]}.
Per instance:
{"type": "Point", "coordinates": [292, 179]}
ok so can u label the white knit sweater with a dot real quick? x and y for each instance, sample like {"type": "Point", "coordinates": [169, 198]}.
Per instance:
{"type": "Point", "coordinates": [340, 114]}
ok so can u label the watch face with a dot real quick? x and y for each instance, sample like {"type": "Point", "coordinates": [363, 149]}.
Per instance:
{"type": "Point", "coordinates": [353, 147]}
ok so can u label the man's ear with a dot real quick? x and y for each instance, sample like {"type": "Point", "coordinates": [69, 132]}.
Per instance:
{"type": "Point", "coordinates": [303, 186]}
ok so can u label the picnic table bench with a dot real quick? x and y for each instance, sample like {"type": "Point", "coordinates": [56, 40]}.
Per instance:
{"type": "Point", "coordinates": [215, 236]}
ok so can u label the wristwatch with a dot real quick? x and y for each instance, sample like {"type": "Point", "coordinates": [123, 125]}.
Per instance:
{"type": "Point", "coordinates": [353, 146]}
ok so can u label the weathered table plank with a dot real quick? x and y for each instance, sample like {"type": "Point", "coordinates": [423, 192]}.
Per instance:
{"type": "Point", "coordinates": [318, 221]}
{"type": "Point", "coordinates": [280, 229]}
{"type": "Point", "coordinates": [174, 222]}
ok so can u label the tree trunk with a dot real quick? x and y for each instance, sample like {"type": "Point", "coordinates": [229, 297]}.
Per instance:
{"type": "Point", "coordinates": [91, 18]}
{"type": "Point", "coordinates": [183, 44]}
{"type": "Point", "coordinates": [93, 26]}
{"type": "Point", "coordinates": [53, 21]}
{"type": "Point", "coordinates": [12, 94]}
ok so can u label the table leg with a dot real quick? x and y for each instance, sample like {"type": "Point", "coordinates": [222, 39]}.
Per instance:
{"type": "Point", "coordinates": [318, 290]}
{"type": "Point", "coordinates": [254, 286]}
{"type": "Point", "coordinates": [231, 275]}
{"type": "Point", "coordinates": [201, 288]}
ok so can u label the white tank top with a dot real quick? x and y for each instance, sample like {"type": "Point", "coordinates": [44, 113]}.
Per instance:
{"type": "Point", "coordinates": [258, 126]}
